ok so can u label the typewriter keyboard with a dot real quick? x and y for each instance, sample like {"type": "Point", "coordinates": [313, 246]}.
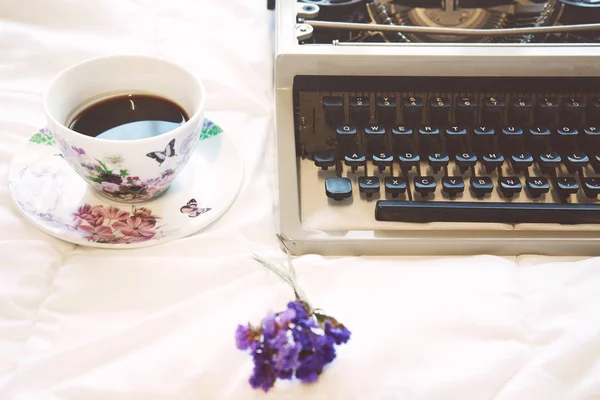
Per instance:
{"type": "Point", "coordinates": [380, 150]}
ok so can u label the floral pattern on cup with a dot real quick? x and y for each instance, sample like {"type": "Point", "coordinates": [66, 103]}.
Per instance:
{"type": "Point", "coordinates": [110, 224]}
{"type": "Point", "coordinates": [113, 181]}
{"type": "Point", "coordinates": [186, 147]}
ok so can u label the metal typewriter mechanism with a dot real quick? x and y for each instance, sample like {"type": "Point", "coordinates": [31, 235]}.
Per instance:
{"type": "Point", "coordinates": [438, 127]}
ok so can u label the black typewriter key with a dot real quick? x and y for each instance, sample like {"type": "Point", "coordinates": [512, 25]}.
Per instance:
{"type": "Point", "coordinates": [412, 111]}
{"type": "Point", "coordinates": [520, 111]}
{"type": "Point", "coordinates": [439, 110]}
{"type": "Point", "coordinates": [375, 135]}
{"type": "Point", "coordinates": [493, 110]}
{"type": "Point", "coordinates": [593, 111]}
{"type": "Point", "coordinates": [566, 138]}
{"type": "Point", "coordinates": [549, 161]}
{"type": "Point", "coordinates": [374, 131]}
{"type": "Point", "coordinates": [383, 160]}
{"type": "Point", "coordinates": [346, 138]}
{"type": "Point", "coordinates": [425, 185]}
{"type": "Point", "coordinates": [492, 161]}
{"type": "Point", "coordinates": [566, 186]}
{"type": "Point", "coordinates": [510, 185]}
{"type": "Point", "coordinates": [408, 161]}
{"type": "Point", "coordinates": [333, 107]}
{"type": "Point", "coordinates": [466, 111]}
{"type": "Point", "coordinates": [456, 139]}
{"type": "Point", "coordinates": [573, 111]}
{"type": "Point", "coordinates": [537, 186]}
{"type": "Point", "coordinates": [324, 159]}
{"type": "Point", "coordinates": [429, 137]}
{"type": "Point", "coordinates": [403, 139]}
{"type": "Point", "coordinates": [346, 133]}
{"type": "Point", "coordinates": [481, 185]}
{"type": "Point", "coordinates": [473, 211]}
{"type": "Point", "coordinates": [394, 186]}
{"type": "Point", "coordinates": [595, 161]}
{"type": "Point", "coordinates": [483, 137]}
{"type": "Point", "coordinates": [590, 139]}
{"type": "Point", "coordinates": [465, 161]}
{"type": "Point", "coordinates": [355, 160]}
{"type": "Point", "coordinates": [338, 188]}
{"type": "Point", "coordinates": [521, 161]}
{"type": "Point", "coordinates": [437, 161]}
{"type": "Point", "coordinates": [591, 187]}
{"type": "Point", "coordinates": [537, 139]}
{"type": "Point", "coordinates": [547, 111]}
{"type": "Point", "coordinates": [369, 185]}
{"type": "Point", "coordinates": [360, 109]}
{"type": "Point", "coordinates": [386, 109]}
{"type": "Point", "coordinates": [453, 185]}
{"type": "Point", "coordinates": [511, 139]}
{"type": "Point", "coordinates": [576, 160]}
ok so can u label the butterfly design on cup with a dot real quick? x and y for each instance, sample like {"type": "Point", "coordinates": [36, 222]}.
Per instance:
{"type": "Point", "coordinates": [192, 209]}
{"type": "Point", "coordinates": [161, 156]}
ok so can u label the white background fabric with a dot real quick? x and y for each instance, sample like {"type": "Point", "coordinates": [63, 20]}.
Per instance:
{"type": "Point", "coordinates": [158, 323]}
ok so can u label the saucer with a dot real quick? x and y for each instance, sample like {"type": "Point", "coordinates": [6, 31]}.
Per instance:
{"type": "Point", "coordinates": [57, 201]}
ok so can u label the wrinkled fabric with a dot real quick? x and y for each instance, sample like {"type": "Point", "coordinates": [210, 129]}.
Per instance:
{"type": "Point", "coordinates": [159, 323]}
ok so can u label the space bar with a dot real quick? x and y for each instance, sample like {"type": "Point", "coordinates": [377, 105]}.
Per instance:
{"type": "Point", "coordinates": [509, 213]}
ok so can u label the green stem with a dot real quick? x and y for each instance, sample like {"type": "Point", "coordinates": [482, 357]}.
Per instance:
{"type": "Point", "coordinates": [274, 269]}
{"type": "Point", "coordinates": [288, 276]}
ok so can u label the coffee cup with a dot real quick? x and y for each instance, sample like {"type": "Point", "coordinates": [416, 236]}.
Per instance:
{"type": "Point", "coordinates": [127, 124]}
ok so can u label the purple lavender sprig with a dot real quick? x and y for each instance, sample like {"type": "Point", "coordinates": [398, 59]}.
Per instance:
{"type": "Point", "coordinates": [297, 342]}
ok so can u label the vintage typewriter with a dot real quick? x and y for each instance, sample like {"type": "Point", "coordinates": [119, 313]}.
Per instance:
{"type": "Point", "coordinates": [438, 126]}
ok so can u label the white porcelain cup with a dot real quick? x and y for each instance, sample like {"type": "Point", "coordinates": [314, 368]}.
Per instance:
{"type": "Point", "coordinates": [129, 171]}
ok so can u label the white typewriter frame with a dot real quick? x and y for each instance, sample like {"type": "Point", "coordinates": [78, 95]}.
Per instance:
{"type": "Point", "coordinates": [292, 59]}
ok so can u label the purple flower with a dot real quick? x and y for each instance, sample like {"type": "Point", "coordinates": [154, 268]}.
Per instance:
{"type": "Point", "coordinates": [247, 337]}
{"type": "Point", "coordinates": [242, 337]}
{"type": "Point", "coordinates": [287, 360]}
{"type": "Point", "coordinates": [167, 173]}
{"type": "Point", "coordinates": [293, 343]}
{"type": "Point", "coordinates": [112, 178]}
{"type": "Point", "coordinates": [269, 326]}
{"type": "Point", "coordinates": [110, 187]}
{"type": "Point", "coordinates": [310, 368]}
{"type": "Point", "coordinates": [78, 150]}
{"type": "Point", "coordinates": [340, 334]}
{"type": "Point", "coordinates": [287, 316]}
{"type": "Point", "coordinates": [263, 375]}
{"type": "Point", "coordinates": [299, 309]}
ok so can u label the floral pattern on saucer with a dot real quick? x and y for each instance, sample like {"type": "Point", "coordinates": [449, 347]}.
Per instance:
{"type": "Point", "coordinates": [58, 201]}
{"type": "Point", "coordinates": [44, 136]}
{"type": "Point", "coordinates": [103, 224]}
{"type": "Point", "coordinates": [209, 129]}
{"type": "Point", "coordinates": [110, 224]}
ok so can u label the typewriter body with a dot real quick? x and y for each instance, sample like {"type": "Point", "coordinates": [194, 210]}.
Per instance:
{"type": "Point", "coordinates": [401, 129]}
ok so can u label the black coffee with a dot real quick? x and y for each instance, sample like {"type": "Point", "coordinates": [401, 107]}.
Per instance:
{"type": "Point", "coordinates": [129, 117]}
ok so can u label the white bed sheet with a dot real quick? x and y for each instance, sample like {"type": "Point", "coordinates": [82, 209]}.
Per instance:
{"type": "Point", "coordinates": [158, 323]}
